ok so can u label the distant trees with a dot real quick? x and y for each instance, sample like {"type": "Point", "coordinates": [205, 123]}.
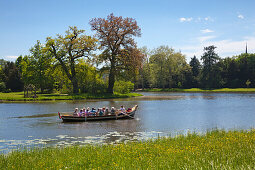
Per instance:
{"type": "Point", "coordinates": [76, 62]}
{"type": "Point", "coordinates": [116, 37]}
{"type": "Point", "coordinates": [12, 77]}
{"type": "Point", "coordinates": [163, 68]}
{"type": "Point", "coordinates": [209, 60]}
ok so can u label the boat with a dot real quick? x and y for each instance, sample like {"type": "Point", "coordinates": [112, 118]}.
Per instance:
{"type": "Point", "coordinates": [69, 117]}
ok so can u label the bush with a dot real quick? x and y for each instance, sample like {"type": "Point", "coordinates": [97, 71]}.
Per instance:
{"type": "Point", "coordinates": [2, 86]}
{"type": "Point", "coordinates": [123, 87]}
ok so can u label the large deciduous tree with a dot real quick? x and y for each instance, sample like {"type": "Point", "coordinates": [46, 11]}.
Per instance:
{"type": "Point", "coordinates": [116, 35]}
{"type": "Point", "coordinates": [67, 49]}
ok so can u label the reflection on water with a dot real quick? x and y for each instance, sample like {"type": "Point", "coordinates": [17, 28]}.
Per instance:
{"type": "Point", "coordinates": [158, 114]}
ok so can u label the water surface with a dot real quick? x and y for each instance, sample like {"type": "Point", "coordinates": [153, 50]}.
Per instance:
{"type": "Point", "coordinates": [159, 114]}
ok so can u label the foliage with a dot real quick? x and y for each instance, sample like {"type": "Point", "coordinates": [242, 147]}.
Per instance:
{"type": "Point", "coordinates": [117, 42]}
{"type": "Point", "coordinates": [2, 86]}
{"type": "Point", "coordinates": [12, 77]}
{"type": "Point", "coordinates": [213, 150]}
{"type": "Point", "coordinates": [88, 79]}
{"type": "Point", "coordinates": [210, 69]}
{"type": "Point", "coordinates": [67, 49]}
{"type": "Point", "coordinates": [222, 90]}
{"type": "Point", "coordinates": [36, 68]}
{"type": "Point", "coordinates": [165, 68]}
{"type": "Point", "coordinates": [123, 87]}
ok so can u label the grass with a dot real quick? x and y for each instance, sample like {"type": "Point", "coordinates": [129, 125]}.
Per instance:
{"type": "Point", "coordinates": [19, 96]}
{"type": "Point", "coordinates": [222, 90]}
{"type": "Point", "coordinates": [215, 150]}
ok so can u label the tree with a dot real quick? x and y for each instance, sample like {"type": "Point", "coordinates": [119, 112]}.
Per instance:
{"type": "Point", "coordinates": [167, 67]}
{"type": "Point", "coordinates": [12, 77]}
{"type": "Point", "coordinates": [195, 66]}
{"type": "Point", "coordinates": [40, 67]}
{"type": "Point", "coordinates": [67, 49]}
{"type": "Point", "coordinates": [209, 59]}
{"type": "Point", "coordinates": [115, 34]}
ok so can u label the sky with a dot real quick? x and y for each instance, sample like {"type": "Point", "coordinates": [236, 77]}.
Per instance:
{"type": "Point", "coordinates": [185, 25]}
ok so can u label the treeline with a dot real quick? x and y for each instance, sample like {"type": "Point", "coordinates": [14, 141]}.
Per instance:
{"type": "Point", "coordinates": [109, 61]}
{"type": "Point", "coordinates": [165, 68]}
{"type": "Point", "coordinates": [75, 62]}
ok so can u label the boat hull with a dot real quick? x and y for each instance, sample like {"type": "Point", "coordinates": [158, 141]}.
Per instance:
{"type": "Point", "coordinates": [71, 118]}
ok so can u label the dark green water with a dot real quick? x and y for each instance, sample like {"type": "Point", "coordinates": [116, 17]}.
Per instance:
{"type": "Point", "coordinates": [159, 114]}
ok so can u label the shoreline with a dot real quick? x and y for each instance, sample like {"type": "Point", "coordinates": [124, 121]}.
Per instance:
{"type": "Point", "coordinates": [18, 97]}
{"type": "Point", "coordinates": [198, 90]}
{"type": "Point", "coordinates": [228, 149]}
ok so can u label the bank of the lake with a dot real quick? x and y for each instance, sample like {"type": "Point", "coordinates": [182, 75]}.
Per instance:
{"type": "Point", "coordinates": [214, 150]}
{"type": "Point", "coordinates": [194, 90]}
{"type": "Point", "coordinates": [19, 96]}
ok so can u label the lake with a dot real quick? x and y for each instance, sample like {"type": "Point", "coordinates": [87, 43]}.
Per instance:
{"type": "Point", "coordinates": [159, 114]}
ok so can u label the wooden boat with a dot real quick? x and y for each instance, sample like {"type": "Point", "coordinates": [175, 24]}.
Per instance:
{"type": "Point", "coordinates": [69, 117]}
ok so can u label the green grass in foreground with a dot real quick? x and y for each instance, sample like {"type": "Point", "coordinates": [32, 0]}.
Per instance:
{"type": "Point", "coordinates": [223, 90]}
{"type": "Point", "coordinates": [214, 150]}
{"type": "Point", "coordinates": [19, 96]}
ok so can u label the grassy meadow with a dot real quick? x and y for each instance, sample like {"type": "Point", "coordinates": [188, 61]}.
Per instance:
{"type": "Point", "coordinates": [214, 150]}
{"type": "Point", "coordinates": [19, 96]}
{"type": "Point", "coordinates": [222, 90]}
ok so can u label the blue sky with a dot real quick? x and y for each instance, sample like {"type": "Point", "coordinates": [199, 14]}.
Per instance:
{"type": "Point", "coordinates": [185, 25]}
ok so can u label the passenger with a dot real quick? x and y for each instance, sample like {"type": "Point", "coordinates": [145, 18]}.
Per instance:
{"type": "Point", "coordinates": [103, 109]}
{"type": "Point", "coordinates": [75, 113]}
{"type": "Point", "coordinates": [98, 112]}
{"type": "Point", "coordinates": [112, 110]}
{"type": "Point", "coordinates": [122, 109]}
{"type": "Point", "coordinates": [106, 112]}
{"type": "Point", "coordinates": [87, 112]}
{"type": "Point", "coordinates": [93, 111]}
{"type": "Point", "coordinates": [84, 112]}
{"type": "Point", "coordinates": [101, 112]}
{"type": "Point", "coordinates": [80, 113]}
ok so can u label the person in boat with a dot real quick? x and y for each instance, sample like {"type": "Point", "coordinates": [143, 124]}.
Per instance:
{"type": "Point", "coordinates": [93, 111]}
{"type": "Point", "coordinates": [87, 112]}
{"type": "Point", "coordinates": [84, 112]}
{"type": "Point", "coordinates": [113, 110]}
{"type": "Point", "coordinates": [80, 113]}
{"type": "Point", "coordinates": [101, 112]}
{"type": "Point", "coordinates": [75, 113]}
{"type": "Point", "coordinates": [106, 112]}
{"type": "Point", "coordinates": [122, 110]}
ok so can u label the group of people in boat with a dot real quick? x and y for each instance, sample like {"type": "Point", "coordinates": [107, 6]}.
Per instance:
{"type": "Point", "coordinates": [100, 111]}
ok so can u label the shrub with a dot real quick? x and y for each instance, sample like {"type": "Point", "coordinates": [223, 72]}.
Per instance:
{"type": "Point", "coordinates": [2, 86]}
{"type": "Point", "coordinates": [123, 87]}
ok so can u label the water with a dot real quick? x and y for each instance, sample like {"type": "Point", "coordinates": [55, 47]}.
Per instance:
{"type": "Point", "coordinates": [159, 114]}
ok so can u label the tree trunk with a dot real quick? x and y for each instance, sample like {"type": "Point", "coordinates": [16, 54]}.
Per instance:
{"type": "Point", "coordinates": [111, 80]}
{"type": "Point", "coordinates": [75, 85]}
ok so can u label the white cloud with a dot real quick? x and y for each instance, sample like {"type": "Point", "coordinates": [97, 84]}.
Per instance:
{"type": "Point", "coordinates": [205, 38]}
{"type": "Point", "coordinates": [225, 48]}
{"type": "Point", "coordinates": [206, 31]}
{"type": "Point", "coordinates": [11, 57]}
{"type": "Point", "coordinates": [240, 16]}
{"type": "Point", "coordinates": [208, 19]}
{"type": "Point", "coordinates": [186, 19]}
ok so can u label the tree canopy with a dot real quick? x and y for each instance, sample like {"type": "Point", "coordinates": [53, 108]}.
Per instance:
{"type": "Point", "coordinates": [116, 37]}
